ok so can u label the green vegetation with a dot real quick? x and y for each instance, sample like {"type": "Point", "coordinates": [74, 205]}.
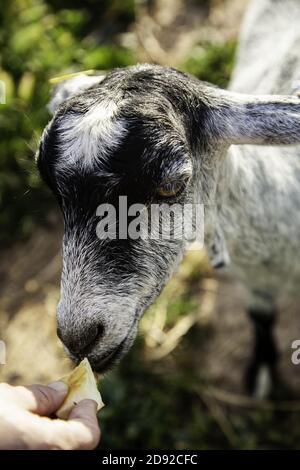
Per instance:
{"type": "Point", "coordinates": [37, 42]}
{"type": "Point", "coordinates": [153, 406]}
{"type": "Point", "coordinates": [212, 62]}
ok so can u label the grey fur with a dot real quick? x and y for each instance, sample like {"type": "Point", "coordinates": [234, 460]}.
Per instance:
{"type": "Point", "coordinates": [259, 187]}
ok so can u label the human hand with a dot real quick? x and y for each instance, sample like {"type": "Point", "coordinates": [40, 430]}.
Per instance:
{"type": "Point", "coordinates": [25, 422]}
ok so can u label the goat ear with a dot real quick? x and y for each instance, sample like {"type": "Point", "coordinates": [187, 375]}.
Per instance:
{"type": "Point", "coordinates": [259, 120]}
{"type": "Point", "coordinates": [71, 87]}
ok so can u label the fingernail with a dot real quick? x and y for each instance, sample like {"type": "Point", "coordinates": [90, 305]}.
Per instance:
{"type": "Point", "coordinates": [59, 387]}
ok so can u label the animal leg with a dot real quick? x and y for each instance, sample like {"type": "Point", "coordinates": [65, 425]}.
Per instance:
{"type": "Point", "coordinates": [261, 372]}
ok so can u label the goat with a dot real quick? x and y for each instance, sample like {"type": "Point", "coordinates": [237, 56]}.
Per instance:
{"type": "Point", "coordinates": [156, 134]}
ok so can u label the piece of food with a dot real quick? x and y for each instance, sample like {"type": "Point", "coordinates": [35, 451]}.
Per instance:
{"type": "Point", "coordinates": [82, 385]}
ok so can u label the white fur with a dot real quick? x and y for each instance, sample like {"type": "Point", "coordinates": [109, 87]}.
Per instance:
{"type": "Point", "coordinates": [87, 137]}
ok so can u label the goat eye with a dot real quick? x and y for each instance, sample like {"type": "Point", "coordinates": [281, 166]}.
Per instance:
{"type": "Point", "coordinates": [171, 189]}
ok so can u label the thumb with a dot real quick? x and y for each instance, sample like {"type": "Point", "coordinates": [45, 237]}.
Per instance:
{"type": "Point", "coordinates": [43, 399]}
{"type": "Point", "coordinates": [85, 415]}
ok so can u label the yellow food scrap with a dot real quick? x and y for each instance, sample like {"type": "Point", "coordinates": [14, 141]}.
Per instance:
{"type": "Point", "coordinates": [82, 385]}
{"type": "Point", "coordinates": [61, 78]}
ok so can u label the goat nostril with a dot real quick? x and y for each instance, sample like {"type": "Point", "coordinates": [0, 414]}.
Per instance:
{"type": "Point", "coordinates": [81, 342]}
{"type": "Point", "coordinates": [91, 339]}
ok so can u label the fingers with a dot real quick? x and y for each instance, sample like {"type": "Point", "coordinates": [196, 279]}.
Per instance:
{"type": "Point", "coordinates": [41, 399]}
{"type": "Point", "coordinates": [80, 432]}
{"type": "Point", "coordinates": [84, 415]}
{"type": "Point", "coordinates": [84, 410]}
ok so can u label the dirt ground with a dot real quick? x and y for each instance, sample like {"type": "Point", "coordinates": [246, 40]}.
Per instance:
{"type": "Point", "coordinates": [29, 292]}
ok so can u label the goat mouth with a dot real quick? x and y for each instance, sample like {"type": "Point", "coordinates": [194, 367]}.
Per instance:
{"type": "Point", "coordinates": [106, 362]}
{"type": "Point", "coordinates": [109, 360]}
{"type": "Point", "coordinates": [100, 365]}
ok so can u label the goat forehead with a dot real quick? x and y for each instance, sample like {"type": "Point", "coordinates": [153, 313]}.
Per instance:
{"type": "Point", "coordinates": [86, 137]}
{"type": "Point", "coordinates": [134, 170]}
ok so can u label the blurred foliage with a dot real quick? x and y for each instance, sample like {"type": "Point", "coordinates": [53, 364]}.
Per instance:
{"type": "Point", "coordinates": [119, 12]}
{"type": "Point", "coordinates": [155, 406]}
{"type": "Point", "coordinates": [168, 403]}
{"type": "Point", "coordinates": [212, 62]}
{"type": "Point", "coordinates": [39, 40]}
